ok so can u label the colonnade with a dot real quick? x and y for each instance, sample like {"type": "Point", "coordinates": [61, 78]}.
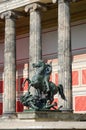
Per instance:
{"type": "Point", "coordinates": [35, 52]}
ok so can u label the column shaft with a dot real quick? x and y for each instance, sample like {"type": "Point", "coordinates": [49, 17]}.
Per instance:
{"type": "Point", "coordinates": [10, 66]}
{"type": "Point", "coordinates": [64, 52]}
{"type": "Point", "coordinates": [35, 45]}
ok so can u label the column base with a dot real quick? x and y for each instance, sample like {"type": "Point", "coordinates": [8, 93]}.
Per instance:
{"type": "Point", "coordinates": [9, 116]}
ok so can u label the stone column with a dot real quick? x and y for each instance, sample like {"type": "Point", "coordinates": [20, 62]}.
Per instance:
{"type": "Point", "coordinates": [9, 103]}
{"type": "Point", "coordinates": [35, 42]}
{"type": "Point", "coordinates": [64, 52]}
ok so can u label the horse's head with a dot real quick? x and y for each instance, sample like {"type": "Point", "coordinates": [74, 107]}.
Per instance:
{"type": "Point", "coordinates": [40, 63]}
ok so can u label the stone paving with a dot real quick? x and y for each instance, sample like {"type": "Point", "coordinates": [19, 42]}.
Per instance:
{"type": "Point", "coordinates": [34, 125]}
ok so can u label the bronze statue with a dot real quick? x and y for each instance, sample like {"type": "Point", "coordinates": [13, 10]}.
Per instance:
{"type": "Point", "coordinates": [45, 89]}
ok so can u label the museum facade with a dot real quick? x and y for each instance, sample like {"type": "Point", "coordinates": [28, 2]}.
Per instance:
{"type": "Point", "coordinates": [31, 30]}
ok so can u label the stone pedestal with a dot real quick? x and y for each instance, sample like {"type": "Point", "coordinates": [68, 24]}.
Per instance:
{"type": "Point", "coordinates": [51, 116]}
{"type": "Point", "coordinates": [45, 120]}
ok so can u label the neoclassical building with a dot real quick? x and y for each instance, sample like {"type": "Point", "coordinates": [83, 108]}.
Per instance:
{"type": "Point", "coordinates": [31, 30]}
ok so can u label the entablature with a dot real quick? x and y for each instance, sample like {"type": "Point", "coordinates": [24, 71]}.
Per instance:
{"type": "Point", "coordinates": [6, 5]}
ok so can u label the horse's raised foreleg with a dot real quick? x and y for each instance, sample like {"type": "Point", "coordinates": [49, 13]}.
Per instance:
{"type": "Point", "coordinates": [27, 79]}
{"type": "Point", "coordinates": [29, 82]}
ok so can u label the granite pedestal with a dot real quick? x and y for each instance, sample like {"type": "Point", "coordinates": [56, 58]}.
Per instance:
{"type": "Point", "coordinates": [44, 120]}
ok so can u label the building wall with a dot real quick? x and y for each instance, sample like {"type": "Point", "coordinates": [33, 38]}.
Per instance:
{"type": "Point", "coordinates": [49, 48]}
{"type": "Point", "coordinates": [49, 43]}
{"type": "Point", "coordinates": [78, 82]}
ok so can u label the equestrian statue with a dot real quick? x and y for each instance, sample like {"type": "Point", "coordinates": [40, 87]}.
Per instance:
{"type": "Point", "coordinates": [45, 89]}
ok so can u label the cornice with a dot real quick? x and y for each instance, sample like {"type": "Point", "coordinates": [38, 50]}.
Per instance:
{"type": "Point", "coordinates": [13, 4]}
{"type": "Point", "coordinates": [7, 5]}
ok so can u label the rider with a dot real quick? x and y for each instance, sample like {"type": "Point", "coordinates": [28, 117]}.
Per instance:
{"type": "Point", "coordinates": [47, 72]}
{"type": "Point", "coordinates": [44, 69]}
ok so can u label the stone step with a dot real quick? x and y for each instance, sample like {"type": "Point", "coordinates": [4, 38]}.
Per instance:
{"type": "Point", "coordinates": [44, 120]}
{"type": "Point", "coordinates": [51, 116]}
{"type": "Point", "coordinates": [41, 125]}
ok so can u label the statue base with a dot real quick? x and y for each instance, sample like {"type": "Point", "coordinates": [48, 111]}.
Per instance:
{"type": "Point", "coordinates": [50, 115]}
{"type": "Point", "coordinates": [45, 120]}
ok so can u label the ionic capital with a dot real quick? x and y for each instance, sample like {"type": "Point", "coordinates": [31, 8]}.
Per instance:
{"type": "Point", "coordinates": [54, 1]}
{"type": "Point", "coordinates": [35, 6]}
{"type": "Point", "coordinates": [8, 14]}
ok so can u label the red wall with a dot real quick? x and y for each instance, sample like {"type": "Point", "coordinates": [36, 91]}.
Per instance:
{"type": "Point", "coordinates": [80, 103]}
{"type": "Point", "coordinates": [78, 81]}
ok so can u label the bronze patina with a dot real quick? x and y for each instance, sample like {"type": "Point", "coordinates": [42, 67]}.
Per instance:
{"type": "Point", "coordinates": [45, 89]}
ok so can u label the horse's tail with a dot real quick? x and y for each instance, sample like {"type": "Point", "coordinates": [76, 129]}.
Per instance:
{"type": "Point", "coordinates": [61, 92]}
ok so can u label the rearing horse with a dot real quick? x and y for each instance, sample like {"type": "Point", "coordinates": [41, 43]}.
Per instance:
{"type": "Point", "coordinates": [41, 82]}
